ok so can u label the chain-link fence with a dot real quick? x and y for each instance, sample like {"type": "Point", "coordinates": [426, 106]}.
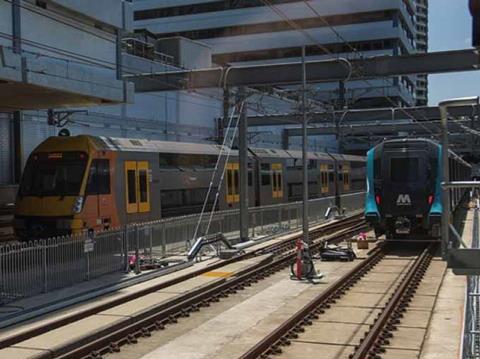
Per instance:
{"type": "Point", "coordinates": [37, 267]}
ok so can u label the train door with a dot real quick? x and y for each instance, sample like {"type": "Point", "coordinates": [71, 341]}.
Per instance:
{"type": "Point", "coordinates": [233, 184]}
{"type": "Point", "coordinates": [324, 181]}
{"type": "Point", "coordinates": [98, 195]}
{"type": "Point", "coordinates": [277, 181]}
{"type": "Point", "coordinates": [405, 177]}
{"type": "Point", "coordinates": [137, 188]}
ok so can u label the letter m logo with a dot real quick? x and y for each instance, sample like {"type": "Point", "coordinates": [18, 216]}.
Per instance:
{"type": "Point", "coordinates": [404, 200]}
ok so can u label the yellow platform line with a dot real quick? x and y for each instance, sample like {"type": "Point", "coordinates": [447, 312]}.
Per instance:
{"type": "Point", "coordinates": [218, 274]}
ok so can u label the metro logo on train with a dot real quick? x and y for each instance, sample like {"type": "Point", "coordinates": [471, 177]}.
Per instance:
{"type": "Point", "coordinates": [404, 200]}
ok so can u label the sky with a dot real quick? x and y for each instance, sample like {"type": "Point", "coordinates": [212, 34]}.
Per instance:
{"type": "Point", "coordinates": [450, 28]}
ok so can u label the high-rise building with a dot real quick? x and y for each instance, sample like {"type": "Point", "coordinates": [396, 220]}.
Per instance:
{"type": "Point", "coordinates": [421, 16]}
{"type": "Point", "coordinates": [240, 31]}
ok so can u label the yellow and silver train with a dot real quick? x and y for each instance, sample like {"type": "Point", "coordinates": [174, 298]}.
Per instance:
{"type": "Point", "coordinates": [71, 184]}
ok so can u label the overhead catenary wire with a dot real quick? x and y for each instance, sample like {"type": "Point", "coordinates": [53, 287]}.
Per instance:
{"type": "Point", "coordinates": [325, 49]}
{"type": "Point", "coordinates": [279, 12]}
{"type": "Point", "coordinates": [112, 65]}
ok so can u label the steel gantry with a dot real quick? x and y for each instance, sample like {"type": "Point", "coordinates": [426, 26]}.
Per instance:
{"type": "Point", "coordinates": [316, 71]}
{"type": "Point", "coordinates": [423, 113]}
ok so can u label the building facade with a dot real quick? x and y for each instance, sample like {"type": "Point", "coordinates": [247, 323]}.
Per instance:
{"type": "Point", "coordinates": [214, 33]}
{"type": "Point", "coordinates": [421, 15]}
{"type": "Point", "coordinates": [54, 54]}
{"type": "Point", "coordinates": [267, 31]}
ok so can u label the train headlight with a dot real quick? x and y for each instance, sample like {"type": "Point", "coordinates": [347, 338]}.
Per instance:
{"type": "Point", "coordinates": [78, 205]}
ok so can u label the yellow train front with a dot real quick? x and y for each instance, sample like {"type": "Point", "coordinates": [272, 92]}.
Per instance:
{"type": "Point", "coordinates": [71, 184]}
{"type": "Point", "coordinates": [66, 188]}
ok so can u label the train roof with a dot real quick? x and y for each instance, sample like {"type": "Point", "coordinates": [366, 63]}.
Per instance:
{"type": "Point", "coordinates": [269, 152]}
{"type": "Point", "coordinates": [157, 146]}
{"type": "Point", "coordinates": [144, 145]}
{"type": "Point", "coordinates": [426, 140]}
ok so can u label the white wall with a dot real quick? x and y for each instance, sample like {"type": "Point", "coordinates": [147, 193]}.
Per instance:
{"type": "Point", "coordinates": [260, 14]}
{"type": "Point", "coordinates": [107, 11]}
{"type": "Point", "coordinates": [5, 23]}
{"type": "Point", "coordinates": [48, 33]}
{"type": "Point", "coordinates": [283, 39]}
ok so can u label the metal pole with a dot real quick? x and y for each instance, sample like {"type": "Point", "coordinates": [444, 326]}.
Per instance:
{"type": "Point", "coordinates": [17, 146]}
{"type": "Point", "coordinates": [285, 139]}
{"type": "Point", "coordinates": [243, 166]}
{"type": "Point", "coordinates": [137, 251]}
{"type": "Point", "coordinates": [226, 114]}
{"type": "Point", "coordinates": [445, 179]}
{"type": "Point", "coordinates": [16, 27]}
{"type": "Point", "coordinates": [443, 106]}
{"type": "Point", "coordinates": [304, 148]}
{"type": "Point", "coordinates": [125, 249]}
{"type": "Point", "coordinates": [45, 273]}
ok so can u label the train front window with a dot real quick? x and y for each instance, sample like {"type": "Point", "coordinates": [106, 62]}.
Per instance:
{"type": "Point", "coordinates": [404, 170]}
{"type": "Point", "coordinates": [54, 174]}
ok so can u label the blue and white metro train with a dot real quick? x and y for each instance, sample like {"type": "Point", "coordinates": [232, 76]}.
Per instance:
{"type": "Point", "coordinates": [404, 179]}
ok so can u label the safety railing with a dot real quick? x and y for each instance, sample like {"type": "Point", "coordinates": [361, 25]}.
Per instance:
{"type": "Point", "coordinates": [143, 49]}
{"type": "Point", "coordinates": [36, 267]}
{"type": "Point", "coordinates": [471, 335]}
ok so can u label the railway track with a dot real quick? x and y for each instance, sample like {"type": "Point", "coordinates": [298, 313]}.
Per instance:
{"type": "Point", "coordinates": [398, 294]}
{"type": "Point", "coordinates": [156, 318]}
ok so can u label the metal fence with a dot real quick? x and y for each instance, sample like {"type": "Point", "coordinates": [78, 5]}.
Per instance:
{"type": "Point", "coordinates": [471, 338]}
{"type": "Point", "coordinates": [41, 266]}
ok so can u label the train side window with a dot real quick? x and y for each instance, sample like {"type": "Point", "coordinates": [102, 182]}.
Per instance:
{"type": "Point", "coordinates": [230, 182]}
{"type": "Point", "coordinates": [132, 193]}
{"type": "Point", "coordinates": [236, 181]}
{"type": "Point", "coordinates": [142, 182]}
{"type": "Point", "coordinates": [266, 174]}
{"type": "Point", "coordinates": [99, 177]}
{"type": "Point", "coordinates": [346, 177]}
{"type": "Point", "coordinates": [131, 186]}
{"type": "Point", "coordinates": [280, 185]}
{"type": "Point", "coordinates": [324, 178]}
{"type": "Point", "coordinates": [275, 186]}
{"type": "Point", "coordinates": [143, 187]}
{"type": "Point", "coordinates": [250, 175]}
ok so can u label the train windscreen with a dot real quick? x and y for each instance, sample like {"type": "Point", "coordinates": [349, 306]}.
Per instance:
{"type": "Point", "coordinates": [54, 174]}
{"type": "Point", "coordinates": [404, 170]}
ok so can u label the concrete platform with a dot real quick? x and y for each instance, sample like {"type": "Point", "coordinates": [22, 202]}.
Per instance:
{"type": "Point", "coordinates": [55, 339]}
{"type": "Point", "coordinates": [293, 295]}
{"type": "Point", "coordinates": [111, 286]}
{"type": "Point", "coordinates": [253, 313]}
{"type": "Point", "coordinates": [444, 336]}
{"type": "Point", "coordinates": [424, 332]}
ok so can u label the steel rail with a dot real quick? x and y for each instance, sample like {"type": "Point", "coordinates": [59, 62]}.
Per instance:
{"type": "Point", "coordinates": [275, 249]}
{"type": "Point", "coordinates": [380, 332]}
{"type": "Point", "coordinates": [289, 329]}
{"type": "Point", "coordinates": [110, 339]}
